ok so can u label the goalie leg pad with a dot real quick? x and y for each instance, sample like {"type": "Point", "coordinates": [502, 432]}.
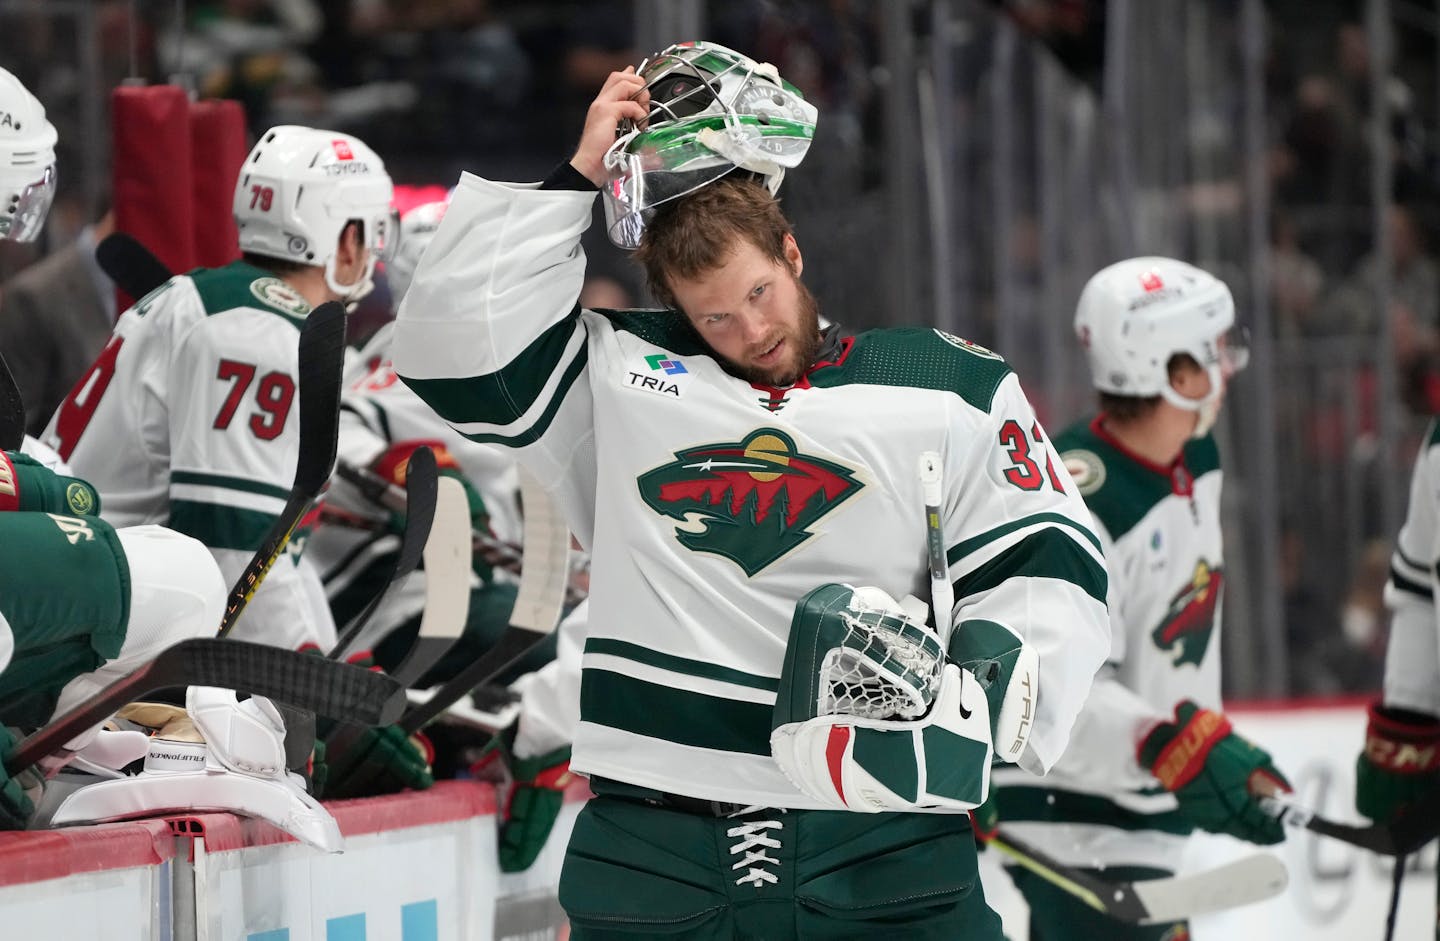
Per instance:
{"type": "Point", "coordinates": [1009, 671]}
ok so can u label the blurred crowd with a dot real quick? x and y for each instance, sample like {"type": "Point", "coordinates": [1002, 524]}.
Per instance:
{"type": "Point", "coordinates": [499, 87]}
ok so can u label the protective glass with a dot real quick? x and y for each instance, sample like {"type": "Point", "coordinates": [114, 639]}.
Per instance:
{"type": "Point", "coordinates": [24, 223]}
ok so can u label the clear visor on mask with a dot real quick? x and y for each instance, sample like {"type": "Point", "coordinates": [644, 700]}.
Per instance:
{"type": "Point", "coordinates": [384, 242]}
{"type": "Point", "coordinates": [1233, 347]}
{"type": "Point", "coordinates": [650, 177]}
{"type": "Point", "coordinates": [24, 223]}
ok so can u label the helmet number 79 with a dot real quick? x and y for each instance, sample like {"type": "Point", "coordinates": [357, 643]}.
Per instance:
{"type": "Point", "coordinates": [1023, 472]}
{"type": "Point", "coordinates": [262, 195]}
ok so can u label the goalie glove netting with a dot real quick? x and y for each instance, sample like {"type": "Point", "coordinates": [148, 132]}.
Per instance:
{"type": "Point", "coordinates": [885, 668]}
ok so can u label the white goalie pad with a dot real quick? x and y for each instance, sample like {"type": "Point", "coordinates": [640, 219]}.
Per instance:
{"type": "Point", "coordinates": [233, 760]}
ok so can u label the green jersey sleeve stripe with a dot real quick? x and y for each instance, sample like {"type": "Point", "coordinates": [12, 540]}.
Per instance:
{"type": "Point", "coordinates": [220, 527]}
{"type": "Point", "coordinates": [242, 484]}
{"type": "Point", "coordinates": [506, 395]}
{"type": "Point", "coordinates": [1410, 585]}
{"type": "Point", "coordinates": [674, 715]}
{"type": "Point", "coordinates": [542, 424]}
{"type": "Point", "coordinates": [1050, 805]}
{"type": "Point", "coordinates": [1046, 553]}
{"type": "Point", "coordinates": [665, 661]}
{"type": "Point", "coordinates": [961, 550]}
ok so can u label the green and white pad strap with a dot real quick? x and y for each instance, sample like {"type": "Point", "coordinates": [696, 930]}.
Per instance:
{"type": "Point", "coordinates": [869, 716]}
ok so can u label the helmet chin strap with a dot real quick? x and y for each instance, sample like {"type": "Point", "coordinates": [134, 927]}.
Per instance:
{"type": "Point", "coordinates": [1206, 409]}
{"type": "Point", "coordinates": [351, 294]}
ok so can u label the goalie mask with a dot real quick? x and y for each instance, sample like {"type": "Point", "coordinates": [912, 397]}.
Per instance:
{"type": "Point", "coordinates": [299, 188]}
{"type": "Point", "coordinates": [711, 110]}
{"type": "Point", "coordinates": [1134, 315]}
{"type": "Point", "coordinates": [27, 162]}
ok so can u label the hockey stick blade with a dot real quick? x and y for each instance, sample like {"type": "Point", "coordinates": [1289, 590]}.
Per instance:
{"type": "Point", "coordinates": [338, 690]}
{"type": "Point", "coordinates": [1155, 901]}
{"type": "Point", "coordinates": [420, 495]}
{"type": "Point", "coordinates": [322, 360]}
{"type": "Point", "coordinates": [447, 583]}
{"type": "Point", "coordinates": [132, 266]}
{"type": "Point", "coordinates": [12, 410]}
{"type": "Point", "coordinates": [537, 605]}
{"type": "Point", "coordinates": [1412, 829]}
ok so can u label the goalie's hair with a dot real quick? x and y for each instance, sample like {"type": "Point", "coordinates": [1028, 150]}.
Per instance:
{"type": "Point", "coordinates": [692, 235]}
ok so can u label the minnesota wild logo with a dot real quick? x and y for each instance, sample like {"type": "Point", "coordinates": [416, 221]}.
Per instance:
{"type": "Point", "coordinates": [1188, 624]}
{"type": "Point", "coordinates": [751, 501]}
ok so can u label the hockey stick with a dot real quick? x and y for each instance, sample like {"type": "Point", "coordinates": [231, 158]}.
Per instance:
{"type": "Point", "coordinates": [447, 584]}
{"type": "Point", "coordinates": [1154, 901]}
{"type": "Point", "coordinates": [322, 359]}
{"type": "Point", "coordinates": [12, 410]}
{"type": "Point", "coordinates": [338, 690]}
{"type": "Point", "coordinates": [1417, 825]}
{"type": "Point", "coordinates": [498, 552]}
{"type": "Point", "coordinates": [421, 475]}
{"type": "Point", "coordinates": [942, 593]}
{"type": "Point", "coordinates": [537, 608]}
{"type": "Point", "coordinates": [132, 266]}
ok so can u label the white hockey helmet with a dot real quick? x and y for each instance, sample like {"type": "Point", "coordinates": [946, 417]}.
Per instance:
{"type": "Point", "coordinates": [27, 161]}
{"type": "Point", "coordinates": [1134, 315]}
{"type": "Point", "coordinates": [711, 110]}
{"type": "Point", "coordinates": [417, 228]}
{"type": "Point", "coordinates": [298, 189]}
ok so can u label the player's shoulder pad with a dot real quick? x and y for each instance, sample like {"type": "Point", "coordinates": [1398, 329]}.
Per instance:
{"type": "Point", "coordinates": [921, 358]}
{"type": "Point", "coordinates": [667, 329]}
{"type": "Point", "coordinates": [240, 284]}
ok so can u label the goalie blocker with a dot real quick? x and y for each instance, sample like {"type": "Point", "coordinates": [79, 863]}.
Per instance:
{"type": "Point", "coordinates": [874, 715]}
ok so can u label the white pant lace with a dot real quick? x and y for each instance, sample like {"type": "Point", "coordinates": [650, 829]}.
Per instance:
{"type": "Point", "coordinates": [753, 834]}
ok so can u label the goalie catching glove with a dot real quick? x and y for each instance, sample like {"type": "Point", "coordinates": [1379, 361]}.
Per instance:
{"type": "Point", "coordinates": [1215, 774]}
{"type": "Point", "coordinates": [1400, 762]}
{"type": "Point", "coordinates": [870, 716]}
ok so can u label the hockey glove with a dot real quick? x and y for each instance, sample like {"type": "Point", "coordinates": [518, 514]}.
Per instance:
{"type": "Point", "coordinates": [869, 716]}
{"type": "Point", "coordinates": [536, 794]}
{"type": "Point", "coordinates": [379, 760]}
{"type": "Point", "coordinates": [1399, 764]}
{"type": "Point", "coordinates": [15, 805]}
{"type": "Point", "coordinates": [1213, 773]}
{"type": "Point", "coordinates": [985, 822]}
{"type": "Point", "coordinates": [26, 484]}
{"type": "Point", "coordinates": [1009, 671]}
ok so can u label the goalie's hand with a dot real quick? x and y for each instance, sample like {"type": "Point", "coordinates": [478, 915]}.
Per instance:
{"type": "Point", "coordinates": [1216, 775]}
{"type": "Point", "coordinates": [869, 717]}
{"type": "Point", "coordinates": [623, 97]}
{"type": "Point", "coordinates": [1399, 764]}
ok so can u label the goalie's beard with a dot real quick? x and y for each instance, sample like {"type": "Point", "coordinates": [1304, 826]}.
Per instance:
{"type": "Point", "coordinates": [806, 340]}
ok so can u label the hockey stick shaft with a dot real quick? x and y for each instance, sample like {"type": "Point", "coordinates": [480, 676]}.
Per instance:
{"type": "Point", "coordinates": [501, 554]}
{"type": "Point", "coordinates": [12, 410]}
{"type": "Point", "coordinates": [420, 493]}
{"type": "Point", "coordinates": [942, 593]}
{"type": "Point", "coordinates": [332, 689]}
{"type": "Point", "coordinates": [133, 267]}
{"type": "Point", "coordinates": [447, 584]}
{"type": "Point", "coordinates": [322, 359]}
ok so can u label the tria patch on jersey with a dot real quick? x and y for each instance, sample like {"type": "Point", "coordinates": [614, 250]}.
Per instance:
{"type": "Point", "coordinates": [1086, 469]}
{"type": "Point", "coordinates": [751, 501]}
{"type": "Point", "coordinates": [660, 373]}
{"type": "Point", "coordinates": [1187, 626]}
{"type": "Point", "coordinates": [960, 343]}
{"type": "Point", "coordinates": [278, 294]}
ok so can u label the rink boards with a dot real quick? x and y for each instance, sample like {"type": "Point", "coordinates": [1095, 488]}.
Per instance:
{"type": "Point", "coordinates": [422, 867]}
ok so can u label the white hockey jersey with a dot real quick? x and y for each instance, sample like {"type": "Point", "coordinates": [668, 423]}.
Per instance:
{"type": "Point", "coordinates": [189, 417]}
{"type": "Point", "coordinates": [1412, 654]}
{"type": "Point", "coordinates": [378, 410]}
{"type": "Point", "coordinates": [711, 505]}
{"type": "Point", "coordinates": [1160, 527]}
